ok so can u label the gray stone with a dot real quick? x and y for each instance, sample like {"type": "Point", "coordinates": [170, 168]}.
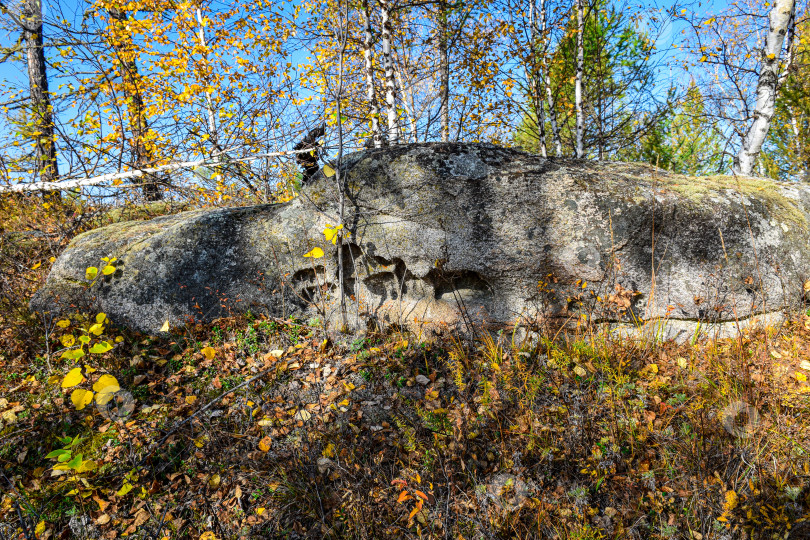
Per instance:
{"type": "Point", "coordinates": [443, 235]}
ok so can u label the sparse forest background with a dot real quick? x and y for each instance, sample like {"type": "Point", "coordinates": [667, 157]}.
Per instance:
{"type": "Point", "coordinates": [95, 88]}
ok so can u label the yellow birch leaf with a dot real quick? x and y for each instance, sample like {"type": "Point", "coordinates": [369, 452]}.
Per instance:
{"type": "Point", "coordinates": [73, 377]}
{"type": "Point", "coordinates": [328, 171]}
{"type": "Point", "coordinates": [81, 398]}
{"type": "Point", "coordinates": [209, 353]}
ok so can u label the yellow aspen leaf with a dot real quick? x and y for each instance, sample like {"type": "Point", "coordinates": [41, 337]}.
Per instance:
{"type": "Point", "coordinates": [801, 377]}
{"type": "Point", "coordinates": [81, 398]}
{"type": "Point", "coordinates": [328, 171]}
{"type": "Point", "coordinates": [64, 323]}
{"type": "Point", "coordinates": [315, 253]}
{"type": "Point", "coordinates": [101, 317]}
{"type": "Point", "coordinates": [91, 272]}
{"type": "Point", "coordinates": [39, 529]}
{"type": "Point", "coordinates": [73, 377]}
{"type": "Point", "coordinates": [209, 353]}
{"type": "Point", "coordinates": [165, 327]}
{"type": "Point", "coordinates": [67, 340]}
{"type": "Point", "coordinates": [191, 400]}
{"type": "Point", "coordinates": [107, 270]}
{"type": "Point", "coordinates": [96, 329]}
{"type": "Point", "coordinates": [260, 511]}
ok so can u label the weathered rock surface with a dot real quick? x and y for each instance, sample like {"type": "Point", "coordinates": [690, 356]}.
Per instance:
{"type": "Point", "coordinates": [448, 233]}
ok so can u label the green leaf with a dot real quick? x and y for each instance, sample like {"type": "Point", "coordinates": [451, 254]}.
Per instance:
{"type": "Point", "coordinates": [100, 347]}
{"type": "Point", "coordinates": [107, 270]}
{"type": "Point", "coordinates": [75, 462]}
{"type": "Point", "coordinates": [57, 453]}
{"type": "Point", "coordinates": [74, 354]}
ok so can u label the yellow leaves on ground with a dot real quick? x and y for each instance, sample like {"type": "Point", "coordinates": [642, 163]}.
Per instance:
{"type": "Point", "coordinates": [73, 378]}
{"type": "Point", "coordinates": [315, 253]}
{"type": "Point", "coordinates": [91, 273]}
{"type": "Point", "coordinates": [67, 340]}
{"type": "Point", "coordinates": [165, 327]}
{"type": "Point", "coordinates": [265, 444]}
{"type": "Point", "coordinates": [215, 481]}
{"type": "Point", "coordinates": [328, 171]}
{"type": "Point", "coordinates": [209, 353]}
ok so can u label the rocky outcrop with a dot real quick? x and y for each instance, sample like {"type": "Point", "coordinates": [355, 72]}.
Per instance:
{"type": "Point", "coordinates": [454, 234]}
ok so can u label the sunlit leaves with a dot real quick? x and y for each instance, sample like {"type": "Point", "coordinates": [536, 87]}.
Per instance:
{"type": "Point", "coordinates": [81, 398]}
{"type": "Point", "coordinates": [73, 377]}
{"type": "Point", "coordinates": [315, 253]}
{"type": "Point", "coordinates": [331, 233]}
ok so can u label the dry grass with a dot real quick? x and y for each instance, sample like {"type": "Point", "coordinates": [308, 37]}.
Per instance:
{"type": "Point", "coordinates": [382, 436]}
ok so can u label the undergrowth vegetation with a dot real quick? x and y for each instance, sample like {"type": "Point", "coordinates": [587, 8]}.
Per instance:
{"type": "Point", "coordinates": [252, 427]}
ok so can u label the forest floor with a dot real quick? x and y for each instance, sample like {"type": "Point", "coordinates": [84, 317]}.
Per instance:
{"type": "Point", "coordinates": [265, 428]}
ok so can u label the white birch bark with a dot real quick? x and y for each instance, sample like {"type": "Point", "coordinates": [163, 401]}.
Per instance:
{"type": "Point", "coordinates": [388, 65]}
{"type": "Point", "coordinates": [209, 103]}
{"type": "Point", "coordinates": [781, 17]}
{"type": "Point", "coordinates": [376, 132]}
{"type": "Point", "coordinates": [552, 112]}
{"type": "Point", "coordinates": [534, 80]}
{"type": "Point", "coordinates": [578, 88]}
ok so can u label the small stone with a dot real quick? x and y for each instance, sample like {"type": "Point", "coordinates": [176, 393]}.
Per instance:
{"type": "Point", "coordinates": [421, 379]}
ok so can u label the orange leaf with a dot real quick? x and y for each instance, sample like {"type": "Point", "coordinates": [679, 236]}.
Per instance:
{"type": "Point", "coordinates": [403, 497]}
{"type": "Point", "coordinates": [420, 494]}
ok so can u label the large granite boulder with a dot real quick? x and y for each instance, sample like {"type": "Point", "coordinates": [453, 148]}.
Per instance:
{"type": "Point", "coordinates": [456, 234]}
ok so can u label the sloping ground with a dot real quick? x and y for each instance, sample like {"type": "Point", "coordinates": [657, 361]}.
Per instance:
{"type": "Point", "coordinates": [251, 428]}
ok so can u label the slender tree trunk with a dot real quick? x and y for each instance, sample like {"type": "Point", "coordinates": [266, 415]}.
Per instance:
{"type": "Point", "coordinates": [41, 110]}
{"type": "Point", "coordinates": [578, 89]}
{"type": "Point", "coordinates": [444, 69]}
{"type": "Point", "coordinates": [376, 132]}
{"type": "Point", "coordinates": [534, 81]}
{"type": "Point", "coordinates": [781, 17]}
{"type": "Point", "coordinates": [388, 65]}
{"type": "Point", "coordinates": [552, 112]}
{"type": "Point", "coordinates": [209, 102]}
{"type": "Point", "coordinates": [141, 155]}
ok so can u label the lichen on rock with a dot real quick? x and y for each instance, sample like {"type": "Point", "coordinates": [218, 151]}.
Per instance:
{"type": "Point", "coordinates": [450, 234]}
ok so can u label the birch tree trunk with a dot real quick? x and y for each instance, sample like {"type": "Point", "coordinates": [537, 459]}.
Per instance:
{"type": "Point", "coordinates": [552, 112]}
{"type": "Point", "coordinates": [376, 133]}
{"type": "Point", "coordinates": [141, 156]}
{"type": "Point", "coordinates": [534, 80]}
{"type": "Point", "coordinates": [41, 110]}
{"type": "Point", "coordinates": [209, 103]}
{"type": "Point", "coordinates": [781, 18]}
{"type": "Point", "coordinates": [578, 88]}
{"type": "Point", "coordinates": [388, 65]}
